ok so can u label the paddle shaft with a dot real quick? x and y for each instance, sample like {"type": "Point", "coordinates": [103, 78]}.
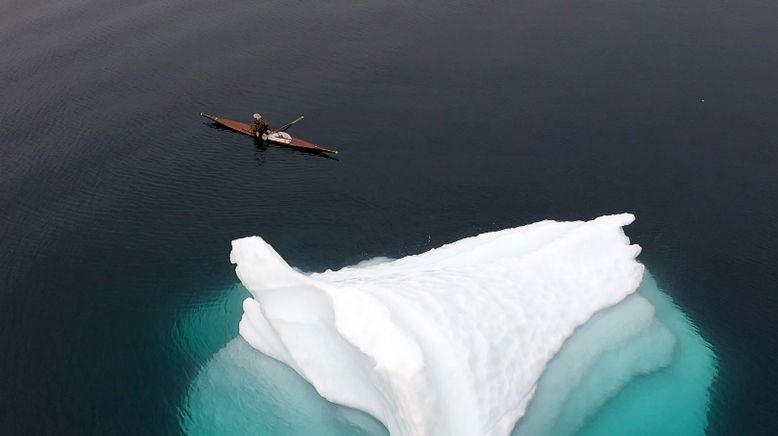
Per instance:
{"type": "Point", "coordinates": [289, 124]}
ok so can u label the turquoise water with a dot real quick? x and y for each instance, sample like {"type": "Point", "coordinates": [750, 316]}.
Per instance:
{"type": "Point", "coordinates": [672, 401]}
{"type": "Point", "coordinates": [238, 388]}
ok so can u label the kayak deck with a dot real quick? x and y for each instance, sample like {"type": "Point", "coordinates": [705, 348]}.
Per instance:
{"type": "Point", "coordinates": [296, 143]}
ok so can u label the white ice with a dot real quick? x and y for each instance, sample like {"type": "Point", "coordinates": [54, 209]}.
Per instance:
{"type": "Point", "coordinates": [454, 341]}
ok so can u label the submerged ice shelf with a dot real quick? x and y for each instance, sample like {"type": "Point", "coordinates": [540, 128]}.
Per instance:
{"type": "Point", "coordinates": [538, 325]}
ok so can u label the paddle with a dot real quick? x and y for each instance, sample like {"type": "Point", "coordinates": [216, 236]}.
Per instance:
{"type": "Point", "coordinates": [289, 124]}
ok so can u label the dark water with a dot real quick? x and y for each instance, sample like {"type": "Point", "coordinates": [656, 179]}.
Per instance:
{"type": "Point", "coordinates": [117, 203]}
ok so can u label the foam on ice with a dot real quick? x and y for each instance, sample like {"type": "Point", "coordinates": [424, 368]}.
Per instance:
{"type": "Point", "coordinates": [454, 341]}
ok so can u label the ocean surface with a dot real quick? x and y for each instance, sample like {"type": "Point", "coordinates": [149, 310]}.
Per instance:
{"type": "Point", "coordinates": [118, 202]}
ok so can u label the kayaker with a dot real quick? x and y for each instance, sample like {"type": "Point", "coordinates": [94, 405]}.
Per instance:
{"type": "Point", "coordinates": [259, 126]}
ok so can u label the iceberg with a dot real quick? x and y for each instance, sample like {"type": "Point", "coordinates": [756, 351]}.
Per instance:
{"type": "Point", "coordinates": [527, 331]}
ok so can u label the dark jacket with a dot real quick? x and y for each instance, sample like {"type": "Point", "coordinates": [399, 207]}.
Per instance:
{"type": "Point", "coordinates": [259, 127]}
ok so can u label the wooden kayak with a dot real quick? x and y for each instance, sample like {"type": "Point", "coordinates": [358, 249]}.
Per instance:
{"type": "Point", "coordinates": [278, 138]}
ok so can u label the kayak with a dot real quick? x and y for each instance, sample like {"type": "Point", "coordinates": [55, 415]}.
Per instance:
{"type": "Point", "coordinates": [279, 137]}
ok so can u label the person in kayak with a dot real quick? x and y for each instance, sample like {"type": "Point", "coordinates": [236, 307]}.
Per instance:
{"type": "Point", "coordinates": [259, 127]}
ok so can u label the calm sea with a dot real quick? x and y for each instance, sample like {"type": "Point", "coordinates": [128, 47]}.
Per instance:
{"type": "Point", "coordinates": [118, 203]}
